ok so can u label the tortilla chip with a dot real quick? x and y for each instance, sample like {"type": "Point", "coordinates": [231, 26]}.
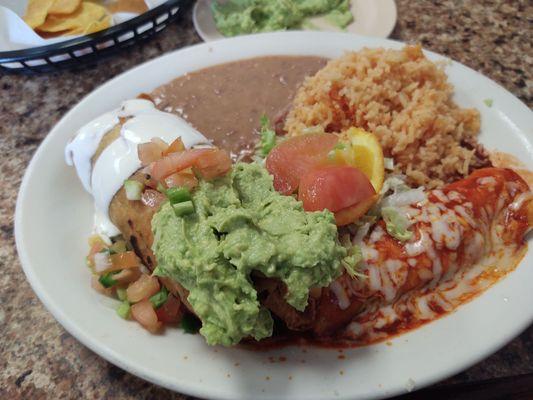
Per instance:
{"type": "Point", "coordinates": [36, 12]}
{"type": "Point", "coordinates": [64, 6]}
{"type": "Point", "coordinates": [76, 22]}
{"type": "Point", "coordinates": [98, 25]}
{"type": "Point", "coordinates": [133, 6]}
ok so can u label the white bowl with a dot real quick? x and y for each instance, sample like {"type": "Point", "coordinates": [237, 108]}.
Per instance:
{"type": "Point", "coordinates": [371, 18]}
{"type": "Point", "coordinates": [54, 216]}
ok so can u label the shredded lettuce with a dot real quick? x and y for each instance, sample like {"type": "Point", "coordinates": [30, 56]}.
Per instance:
{"type": "Point", "coordinates": [394, 183]}
{"type": "Point", "coordinates": [268, 137]}
{"type": "Point", "coordinates": [352, 260]}
{"type": "Point", "coordinates": [396, 223]}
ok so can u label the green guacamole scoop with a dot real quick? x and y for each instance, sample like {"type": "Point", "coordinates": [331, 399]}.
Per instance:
{"type": "Point", "coordinates": [241, 224]}
{"type": "Point", "coordinates": [238, 17]}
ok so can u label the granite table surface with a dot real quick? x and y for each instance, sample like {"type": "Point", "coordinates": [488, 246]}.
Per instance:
{"type": "Point", "coordinates": [38, 358]}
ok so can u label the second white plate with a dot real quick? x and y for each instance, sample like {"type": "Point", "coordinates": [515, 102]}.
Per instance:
{"type": "Point", "coordinates": [375, 18]}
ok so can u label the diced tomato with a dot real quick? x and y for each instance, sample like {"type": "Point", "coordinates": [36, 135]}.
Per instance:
{"type": "Point", "coordinates": [127, 259]}
{"type": "Point", "coordinates": [170, 312]}
{"type": "Point", "coordinates": [215, 164]}
{"type": "Point", "coordinates": [149, 153]}
{"type": "Point", "coordinates": [208, 162]}
{"type": "Point", "coordinates": [184, 178]}
{"type": "Point", "coordinates": [152, 198]}
{"type": "Point", "coordinates": [175, 147]}
{"type": "Point", "coordinates": [296, 156]}
{"type": "Point", "coordinates": [127, 276]}
{"type": "Point", "coordinates": [142, 288]}
{"type": "Point", "coordinates": [176, 162]}
{"type": "Point", "coordinates": [144, 313]}
{"type": "Point", "coordinates": [334, 188]}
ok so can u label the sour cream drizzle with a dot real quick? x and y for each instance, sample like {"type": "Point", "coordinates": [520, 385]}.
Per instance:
{"type": "Point", "coordinates": [119, 160]}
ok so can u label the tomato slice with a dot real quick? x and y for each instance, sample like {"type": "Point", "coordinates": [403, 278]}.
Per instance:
{"type": "Point", "coordinates": [351, 214]}
{"type": "Point", "coordinates": [334, 188]}
{"type": "Point", "coordinates": [296, 156]}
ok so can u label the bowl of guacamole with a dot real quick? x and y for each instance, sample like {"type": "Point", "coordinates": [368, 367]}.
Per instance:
{"type": "Point", "coordinates": [240, 17]}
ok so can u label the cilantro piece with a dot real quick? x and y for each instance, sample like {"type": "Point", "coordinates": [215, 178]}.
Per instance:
{"type": "Point", "coordinates": [268, 137]}
{"type": "Point", "coordinates": [190, 324]}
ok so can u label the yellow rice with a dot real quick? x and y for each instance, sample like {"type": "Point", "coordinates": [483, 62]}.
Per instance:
{"type": "Point", "coordinates": [404, 99]}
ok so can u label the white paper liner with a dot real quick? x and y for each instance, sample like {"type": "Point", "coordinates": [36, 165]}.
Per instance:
{"type": "Point", "coordinates": [15, 34]}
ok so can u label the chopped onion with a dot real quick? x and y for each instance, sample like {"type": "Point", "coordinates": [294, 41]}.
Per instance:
{"type": "Point", "coordinates": [133, 189]}
{"type": "Point", "coordinates": [161, 143]}
{"type": "Point", "coordinates": [101, 262]}
{"type": "Point", "coordinates": [149, 152]}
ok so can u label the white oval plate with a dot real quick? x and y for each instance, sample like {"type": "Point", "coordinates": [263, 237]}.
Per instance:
{"type": "Point", "coordinates": [54, 216]}
{"type": "Point", "coordinates": [375, 18]}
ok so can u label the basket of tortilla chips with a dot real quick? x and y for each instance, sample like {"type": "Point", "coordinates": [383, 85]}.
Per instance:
{"type": "Point", "coordinates": [46, 35]}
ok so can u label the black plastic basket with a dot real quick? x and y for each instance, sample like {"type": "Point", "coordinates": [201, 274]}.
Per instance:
{"type": "Point", "coordinates": [90, 48]}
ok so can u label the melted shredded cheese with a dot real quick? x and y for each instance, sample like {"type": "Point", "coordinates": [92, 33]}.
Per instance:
{"type": "Point", "coordinates": [452, 256]}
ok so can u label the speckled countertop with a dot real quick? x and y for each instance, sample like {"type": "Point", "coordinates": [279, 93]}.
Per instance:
{"type": "Point", "coordinates": [38, 359]}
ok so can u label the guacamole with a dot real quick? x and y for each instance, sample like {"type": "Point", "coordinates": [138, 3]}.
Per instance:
{"type": "Point", "coordinates": [241, 224]}
{"type": "Point", "coordinates": [237, 17]}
